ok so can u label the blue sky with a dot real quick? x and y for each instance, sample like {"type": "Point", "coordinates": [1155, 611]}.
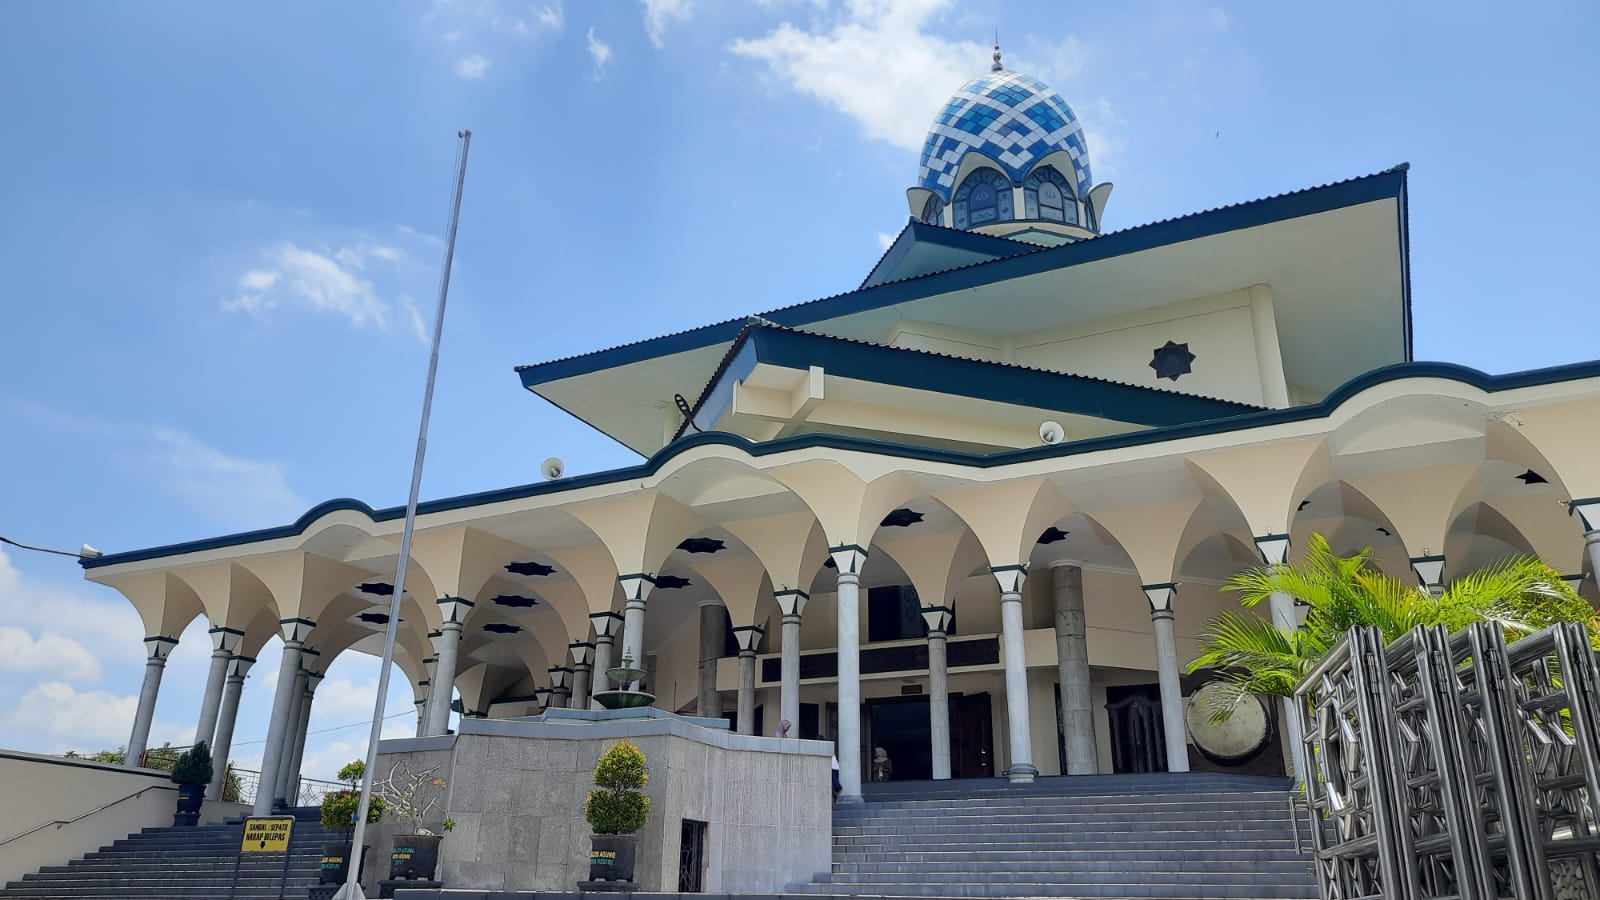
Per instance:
{"type": "Point", "coordinates": [224, 224]}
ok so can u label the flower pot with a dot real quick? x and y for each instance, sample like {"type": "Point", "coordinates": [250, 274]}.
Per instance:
{"type": "Point", "coordinates": [414, 856]}
{"type": "Point", "coordinates": [611, 856]}
{"type": "Point", "coordinates": [336, 862]}
{"type": "Point", "coordinates": [190, 796]}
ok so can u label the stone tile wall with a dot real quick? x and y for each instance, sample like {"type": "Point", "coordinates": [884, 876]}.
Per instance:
{"type": "Point", "coordinates": [517, 789]}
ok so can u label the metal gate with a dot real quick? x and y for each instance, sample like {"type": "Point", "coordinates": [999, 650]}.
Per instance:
{"type": "Point", "coordinates": [692, 857]}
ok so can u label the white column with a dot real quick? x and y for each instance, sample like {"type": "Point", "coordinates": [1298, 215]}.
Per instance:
{"type": "Point", "coordinates": [294, 635]}
{"type": "Point", "coordinates": [303, 729]}
{"type": "Point", "coordinates": [849, 558]}
{"type": "Point", "coordinates": [282, 785]}
{"type": "Point", "coordinates": [1588, 513]}
{"type": "Point", "coordinates": [708, 700]}
{"type": "Point", "coordinates": [582, 666]}
{"type": "Point", "coordinates": [223, 643]}
{"type": "Point", "coordinates": [156, 651]}
{"type": "Point", "coordinates": [749, 637]}
{"type": "Point", "coordinates": [636, 589]}
{"type": "Point", "coordinates": [454, 611]}
{"type": "Point", "coordinates": [1167, 674]}
{"type": "Point", "coordinates": [238, 668]}
{"type": "Point", "coordinates": [1275, 552]}
{"type": "Point", "coordinates": [1072, 667]}
{"type": "Point", "coordinates": [1011, 578]}
{"type": "Point", "coordinates": [792, 603]}
{"type": "Point", "coordinates": [560, 687]}
{"type": "Point", "coordinates": [606, 625]}
{"type": "Point", "coordinates": [422, 707]}
{"type": "Point", "coordinates": [430, 665]}
{"type": "Point", "coordinates": [938, 620]}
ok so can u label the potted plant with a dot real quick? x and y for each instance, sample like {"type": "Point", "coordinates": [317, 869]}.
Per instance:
{"type": "Point", "coordinates": [412, 796]}
{"type": "Point", "coordinates": [339, 810]}
{"type": "Point", "coordinates": [616, 810]}
{"type": "Point", "coordinates": [192, 772]}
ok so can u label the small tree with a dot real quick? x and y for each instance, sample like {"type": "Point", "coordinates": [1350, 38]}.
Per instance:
{"type": "Point", "coordinates": [411, 794]}
{"type": "Point", "coordinates": [618, 806]}
{"type": "Point", "coordinates": [339, 807]}
{"type": "Point", "coordinates": [194, 766]}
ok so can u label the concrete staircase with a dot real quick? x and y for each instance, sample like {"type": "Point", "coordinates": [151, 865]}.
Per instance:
{"type": "Point", "coordinates": [1195, 836]}
{"type": "Point", "coordinates": [200, 862]}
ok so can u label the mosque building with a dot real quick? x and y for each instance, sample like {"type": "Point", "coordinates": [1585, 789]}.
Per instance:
{"type": "Point", "coordinates": [973, 511]}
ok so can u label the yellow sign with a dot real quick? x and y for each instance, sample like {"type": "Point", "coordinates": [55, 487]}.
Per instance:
{"type": "Point", "coordinates": [267, 835]}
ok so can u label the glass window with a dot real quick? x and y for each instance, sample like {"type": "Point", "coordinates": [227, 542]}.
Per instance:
{"type": "Point", "coordinates": [1048, 195]}
{"type": "Point", "coordinates": [985, 196]}
{"type": "Point", "coordinates": [933, 211]}
{"type": "Point", "coordinates": [894, 613]}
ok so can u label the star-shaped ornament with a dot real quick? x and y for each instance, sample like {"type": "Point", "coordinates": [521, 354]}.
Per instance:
{"type": "Point", "coordinates": [1532, 477]}
{"type": "Point", "coordinates": [1172, 360]}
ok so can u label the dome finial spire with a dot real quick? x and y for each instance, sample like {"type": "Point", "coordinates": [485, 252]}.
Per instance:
{"type": "Point", "coordinates": [997, 67]}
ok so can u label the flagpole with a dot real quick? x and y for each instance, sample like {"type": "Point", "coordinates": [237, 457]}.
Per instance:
{"type": "Point", "coordinates": [352, 885]}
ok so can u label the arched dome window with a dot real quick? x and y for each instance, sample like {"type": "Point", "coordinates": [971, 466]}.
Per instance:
{"type": "Point", "coordinates": [1048, 195]}
{"type": "Point", "coordinates": [983, 197]}
{"type": "Point", "coordinates": [933, 211]}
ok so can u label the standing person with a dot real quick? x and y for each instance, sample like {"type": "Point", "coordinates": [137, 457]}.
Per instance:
{"type": "Point", "coordinates": [837, 787]}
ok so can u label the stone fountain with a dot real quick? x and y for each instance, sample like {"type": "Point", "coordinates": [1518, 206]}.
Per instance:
{"type": "Point", "coordinates": [629, 693]}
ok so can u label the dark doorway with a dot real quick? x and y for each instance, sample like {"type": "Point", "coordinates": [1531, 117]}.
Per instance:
{"type": "Point", "coordinates": [900, 726]}
{"type": "Point", "coordinates": [1138, 735]}
{"type": "Point", "coordinates": [971, 736]}
{"type": "Point", "coordinates": [692, 857]}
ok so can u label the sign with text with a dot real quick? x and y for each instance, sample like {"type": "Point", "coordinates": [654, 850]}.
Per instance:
{"type": "Point", "coordinates": [268, 834]}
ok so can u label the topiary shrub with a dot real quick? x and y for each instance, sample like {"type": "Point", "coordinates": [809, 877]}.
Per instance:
{"type": "Point", "coordinates": [194, 766]}
{"type": "Point", "coordinates": [618, 806]}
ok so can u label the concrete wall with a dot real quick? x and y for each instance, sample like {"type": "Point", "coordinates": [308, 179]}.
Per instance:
{"type": "Point", "coordinates": [517, 788]}
{"type": "Point", "coordinates": [40, 789]}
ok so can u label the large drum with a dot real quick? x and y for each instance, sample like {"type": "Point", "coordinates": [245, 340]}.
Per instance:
{"type": "Point", "coordinates": [1238, 739]}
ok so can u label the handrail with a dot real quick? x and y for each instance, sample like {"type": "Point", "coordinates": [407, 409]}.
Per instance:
{"type": "Point", "coordinates": [102, 808]}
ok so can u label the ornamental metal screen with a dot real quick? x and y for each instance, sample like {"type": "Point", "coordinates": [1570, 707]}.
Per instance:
{"type": "Point", "coordinates": [1455, 766]}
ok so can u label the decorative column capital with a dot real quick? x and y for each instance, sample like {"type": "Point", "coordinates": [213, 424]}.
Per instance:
{"type": "Point", "coordinates": [308, 658]}
{"type": "Point", "coordinates": [1160, 597]}
{"type": "Point", "coordinates": [938, 619]}
{"type": "Point", "coordinates": [239, 666]}
{"type": "Point", "coordinates": [424, 688]}
{"type": "Point", "coordinates": [1587, 510]}
{"type": "Point", "coordinates": [636, 587]}
{"type": "Point", "coordinates": [1573, 581]}
{"type": "Point", "coordinates": [295, 630]}
{"type": "Point", "coordinates": [559, 676]}
{"type": "Point", "coordinates": [606, 624]}
{"type": "Point", "coordinates": [225, 640]}
{"type": "Point", "coordinates": [312, 680]}
{"type": "Point", "coordinates": [436, 640]}
{"type": "Point", "coordinates": [1429, 569]}
{"type": "Point", "coordinates": [748, 637]}
{"type": "Point", "coordinates": [542, 695]}
{"type": "Point", "coordinates": [1011, 578]}
{"type": "Point", "coordinates": [1274, 548]}
{"type": "Point", "coordinates": [582, 653]}
{"type": "Point", "coordinates": [158, 647]}
{"type": "Point", "coordinates": [455, 610]}
{"type": "Point", "coordinates": [792, 602]}
{"type": "Point", "coordinates": [849, 558]}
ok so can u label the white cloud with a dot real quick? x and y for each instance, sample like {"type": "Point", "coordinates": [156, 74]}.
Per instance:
{"type": "Point", "coordinates": [886, 42]}
{"type": "Point", "coordinates": [551, 17]}
{"type": "Point", "coordinates": [218, 484]}
{"type": "Point", "coordinates": [414, 317]}
{"type": "Point", "coordinates": [48, 653]}
{"type": "Point", "coordinates": [336, 281]}
{"type": "Point", "coordinates": [658, 14]}
{"type": "Point", "coordinates": [472, 67]}
{"type": "Point", "coordinates": [90, 720]}
{"type": "Point", "coordinates": [231, 490]}
{"type": "Point", "coordinates": [891, 44]}
{"type": "Point", "coordinates": [885, 240]}
{"type": "Point", "coordinates": [600, 52]}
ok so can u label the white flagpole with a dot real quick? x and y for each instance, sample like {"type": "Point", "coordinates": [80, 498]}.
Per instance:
{"type": "Point", "coordinates": [352, 885]}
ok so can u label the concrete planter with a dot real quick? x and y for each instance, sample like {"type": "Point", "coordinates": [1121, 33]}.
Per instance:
{"type": "Point", "coordinates": [190, 797]}
{"type": "Point", "coordinates": [415, 856]}
{"type": "Point", "coordinates": [611, 856]}
{"type": "Point", "coordinates": [336, 862]}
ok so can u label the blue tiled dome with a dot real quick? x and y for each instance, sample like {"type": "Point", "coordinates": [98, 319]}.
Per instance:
{"type": "Point", "coordinates": [1012, 118]}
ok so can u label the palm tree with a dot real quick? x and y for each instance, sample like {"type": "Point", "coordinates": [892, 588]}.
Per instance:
{"type": "Point", "coordinates": [1254, 657]}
